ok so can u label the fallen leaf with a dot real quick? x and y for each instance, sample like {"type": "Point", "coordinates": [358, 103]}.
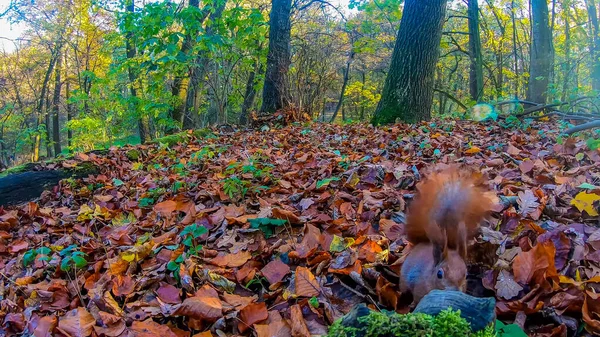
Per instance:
{"type": "Point", "coordinates": [299, 328]}
{"type": "Point", "coordinates": [527, 203]}
{"type": "Point", "coordinates": [231, 260]}
{"type": "Point", "coordinates": [251, 314]}
{"type": "Point", "coordinates": [168, 293]}
{"type": "Point", "coordinates": [149, 328]}
{"type": "Point", "coordinates": [535, 265]}
{"type": "Point", "coordinates": [306, 283]}
{"type": "Point", "coordinates": [207, 308]}
{"type": "Point", "coordinates": [506, 286]}
{"type": "Point", "coordinates": [585, 202]}
{"type": "Point", "coordinates": [45, 326]}
{"type": "Point", "coordinates": [526, 166]}
{"type": "Point", "coordinates": [123, 285]}
{"type": "Point", "coordinates": [77, 323]}
{"type": "Point", "coordinates": [166, 207]}
{"type": "Point", "coordinates": [275, 271]}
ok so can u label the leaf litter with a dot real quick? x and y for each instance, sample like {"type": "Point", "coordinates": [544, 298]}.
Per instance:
{"type": "Point", "coordinates": [284, 230]}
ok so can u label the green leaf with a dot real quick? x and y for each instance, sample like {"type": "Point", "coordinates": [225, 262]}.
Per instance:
{"type": "Point", "coordinates": [172, 266]}
{"type": "Point", "coordinates": [338, 244]}
{"type": "Point", "coordinates": [65, 264]}
{"type": "Point", "coordinates": [29, 257]}
{"type": "Point", "coordinates": [326, 181]}
{"type": "Point", "coordinates": [118, 182]}
{"type": "Point", "coordinates": [510, 330]}
{"type": "Point", "coordinates": [579, 156]}
{"type": "Point", "coordinates": [266, 225]}
{"type": "Point", "coordinates": [79, 261]}
{"type": "Point", "coordinates": [588, 186]}
{"type": "Point", "coordinates": [44, 251]}
{"type": "Point", "coordinates": [314, 302]}
{"type": "Point", "coordinates": [146, 202]}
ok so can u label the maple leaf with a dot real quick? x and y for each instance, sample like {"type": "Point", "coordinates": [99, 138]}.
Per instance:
{"type": "Point", "coordinates": [506, 286]}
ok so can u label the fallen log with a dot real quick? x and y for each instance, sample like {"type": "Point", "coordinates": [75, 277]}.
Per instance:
{"type": "Point", "coordinates": [33, 179]}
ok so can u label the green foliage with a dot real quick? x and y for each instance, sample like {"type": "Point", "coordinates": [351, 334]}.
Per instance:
{"type": "Point", "coordinates": [235, 188]}
{"type": "Point", "coordinates": [326, 181]}
{"type": "Point", "coordinates": [509, 330]}
{"type": "Point", "coordinates": [266, 225]}
{"type": "Point", "coordinates": [42, 253]}
{"type": "Point", "coordinates": [72, 258]}
{"type": "Point", "coordinates": [380, 324]}
{"type": "Point", "coordinates": [190, 235]}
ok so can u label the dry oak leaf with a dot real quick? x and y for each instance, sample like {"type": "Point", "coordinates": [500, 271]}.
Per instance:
{"type": "Point", "coordinates": [251, 314]}
{"type": "Point", "coordinates": [149, 328]}
{"type": "Point", "coordinates": [528, 204]}
{"type": "Point", "coordinates": [536, 264]}
{"type": "Point", "coordinates": [77, 323]}
{"type": "Point", "coordinates": [275, 271]}
{"type": "Point", "coordinates": [306, 283]}
{"type": "Point", "coordinates": [299, 328]}
{"type": "Point", "coordinates": [506, 287]}
{"type": "Point", "coordinates": [206, 308]}
{"type": "Point", "coordinates": [231, 260]}
{"type": "Point", "coordinates": [591, 312]}
{"type": "Point", "coordinates": [237, 300]}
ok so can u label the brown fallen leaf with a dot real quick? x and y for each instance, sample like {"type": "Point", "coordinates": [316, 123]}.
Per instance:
{"type": "Point", "coordinates": [238, 301]}
{"type": "Point", "coordinates": [279, 213]}
{"type": "Point", "coordinates": [149, 328]}
{"type": "Point", "coordinates": [299, 328]}
{"type": "Point", "coordinates": [231, 260]}
{"type": "Point", "coordinates": [45, 326]}
{"type": "Point", "coordinates": [306, 283]}
{"type": "Point", "coordinates": [251, 314]}
{"type": "Point", "coordinates": [535, 265]}
{"type": "Point", "coordinates": [206, 308]}
{"type": "Point", "coordinates": [275, 271]}
{"type": "Point", "coordinates": [506, 287]}
{"type": "Point", "coordinates": [123, 285]}
{"type": "Point", "coordinates": [168, 293]}
{"type": "Point", "coordinates": [77, 323]}
{"type": "Point", "coordinates": [166, 207]}
{"type": "Point", "coordinates": [275, 326]}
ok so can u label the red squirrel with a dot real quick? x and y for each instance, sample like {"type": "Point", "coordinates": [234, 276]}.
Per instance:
{"type": "Point", "coordinates": [444, 215]}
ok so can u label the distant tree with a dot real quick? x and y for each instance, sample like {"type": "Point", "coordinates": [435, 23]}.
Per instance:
{"type": "Point", "coordinates": [408, 89]}
{"type": "Point", "coordinates": [594, 43]}
{"type": "Point", "coordinates": [541, 53]}
{"type": "Point", "coordinates": [278, 57]}
{"type": "Point", "coordinates": [476, 69]}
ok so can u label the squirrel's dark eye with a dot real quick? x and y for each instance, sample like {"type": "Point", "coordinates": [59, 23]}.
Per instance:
{"type": "Point", "coordinates": [440, 273]}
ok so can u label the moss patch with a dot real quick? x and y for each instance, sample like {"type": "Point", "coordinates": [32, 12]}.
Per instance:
{"type": "Point", "coordinates": [388, 324]}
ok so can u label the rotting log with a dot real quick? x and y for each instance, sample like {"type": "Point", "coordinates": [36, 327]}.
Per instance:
{"type": "Point", "coordinates": [33, 179]}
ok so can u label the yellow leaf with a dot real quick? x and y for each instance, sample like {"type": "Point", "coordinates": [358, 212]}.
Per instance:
{"type": "Point", "coordinates": [473, 150]}
{"type": "Point", "coordinates": [585, 202]}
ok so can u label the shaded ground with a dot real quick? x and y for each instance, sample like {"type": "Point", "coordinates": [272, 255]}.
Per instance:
{"type": "Point", "coordinates": [280, 232]}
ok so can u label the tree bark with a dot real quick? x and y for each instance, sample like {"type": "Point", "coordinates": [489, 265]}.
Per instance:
{"type": "Point", "coordinates": [594, 44]}
{"type": "Point", "coordinates": [567, 65]}
{"type": "Point", "coordinates": [408, 89]}
{"type": "Point", "coordinates": [476, 67]}
{"type": "Point", "coordinates": [515, 53]}
{"type": "Point", "coordinates": [278, 57]}
{"type": "Point", "coordinates": [250, 94]}
{"type": "Point", "coordinates": [344, 84]}
{"type": "Point", "coordinates": [541, 53]}
{"type": "Point", "coordinates": [56, 108]}
{"type": "Point", "coordinates": [197, 72]}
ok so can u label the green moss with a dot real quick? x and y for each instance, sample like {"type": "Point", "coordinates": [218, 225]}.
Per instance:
{"type": "Point", "coordinates": [133, 155]}
{"type": "Point", "coordinates": [203, 133]}
{"type": "Point", "coordinates": [390, 324]}
{"type": "Point", "coordinates": [17, 169]}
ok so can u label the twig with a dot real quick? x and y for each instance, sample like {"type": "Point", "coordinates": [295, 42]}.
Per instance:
{"type": "Point", "coordinates": [584, 126]}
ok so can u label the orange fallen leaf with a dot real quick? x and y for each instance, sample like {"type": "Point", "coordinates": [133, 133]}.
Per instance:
{"type": "Point", "coordinates": [123, 285]}
{"type": "Point", "coordinates": [77, 323]}
{"type": "Point", "coordinates": [149, 328]}
{"type": "Point", "coordinates": [535, 265]}
{"type": "Point", "coordinates": [166, 207]}
{"type": "Point", "coordinates": [207, 308]}
{"type": "Point", "coordinates": [252, 313]}
{"type": "Point", "coordinates": [45, 326]}
{"type": "Point", "coordinates": [473, 150]}
{"type": "Point", "coordinates": [299, 328]}
{"type": "Point", "coordinates": [306, 283]}
{"type": "Point", "coordinates": [231, 260]}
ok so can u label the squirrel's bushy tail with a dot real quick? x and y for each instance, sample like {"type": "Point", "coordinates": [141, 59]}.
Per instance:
{"type": "Point", "coordinates": [446, 200]}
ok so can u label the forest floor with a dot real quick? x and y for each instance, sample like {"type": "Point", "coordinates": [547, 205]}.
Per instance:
{"type": "Point", "coordinates": [279, 232]}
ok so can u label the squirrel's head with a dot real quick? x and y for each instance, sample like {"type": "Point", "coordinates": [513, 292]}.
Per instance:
{"type": "Point", "coordinates": [450, 272]}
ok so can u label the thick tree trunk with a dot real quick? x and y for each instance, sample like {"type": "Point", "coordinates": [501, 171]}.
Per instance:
{"type": "Point", "coordinates": [408, 89]}
{"type": "Point", "coordinates": [56, 109]}
{"type": "Point", "coordinates": [594, 44]}
{"type": "Point", "coordinates": [69, 112]}
{"type": "Point", "coordinates": [515, 53]}
{"type": "Point", "coordinates": [476, 67]}
{"type": "Point", "coordinates": [250, 94]}
{"type": "Point", "coordinates": [131, 52]}
{"type": "Point", "coordinates": [541, 53]}
{"type": "Point", "coordinates": [48, 128]}
{"type": "Point", "coordinates": [191, 119]}
{"type": "Point", "coordinates": [278, 57]}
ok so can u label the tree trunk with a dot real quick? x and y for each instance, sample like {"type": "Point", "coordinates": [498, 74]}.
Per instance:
{"type": "Point", "coordinates": [541, 53]}
{"type": "Point", "coordinates": [515, 53]}
{"type": "Point", "coordinates": [250, 94]}
{"type": "Point", "coordinates": [344, 84]}
{"type": "Point", "coordinates": [48, 128]}
{"type": "Point", "coordinates": [55, 109]}
{"type": "Point", "coordinates": [476, 67]}
{"type": "Point", "coordinates": [278, 57]}
{"type": "Point", "coordinates": [131, 52]}
{"type": "Point", "coordinates": [408, 89]}
{"type": "Point", "coordinates": [594, 44]}
{"type": "Point", "coordinates": [197, 71]}
{"type": "Point", "coordinates": [69, 112]}
{"type": "Point", "coordinates": [567, 65]}
{"type": "Point", "coordinates": [362, 105]}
